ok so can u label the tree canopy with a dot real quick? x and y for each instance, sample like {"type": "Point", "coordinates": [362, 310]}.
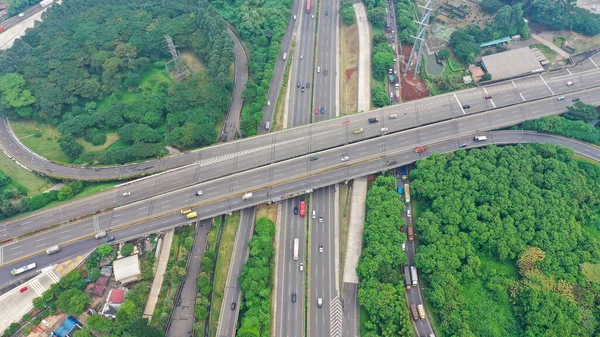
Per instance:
{"type": "Point", "coordinates": [484, 209]}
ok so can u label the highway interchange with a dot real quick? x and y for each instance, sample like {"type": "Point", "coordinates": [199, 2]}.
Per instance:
{"type": "Point", "coordinates": [278, 165]}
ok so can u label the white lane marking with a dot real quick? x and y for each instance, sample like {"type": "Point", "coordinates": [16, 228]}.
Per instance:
{"type": "Point", "coordinates": [461, 108]}
{"type": "Point", "coordinates": [570, 71]}
{"type": "Point", "coordinates": [547, 84]}
{"type": "Point", "coordinates": [513, 83]}
{"type": "Point", "coordinates": [594, 63]}
{"type": "Point", "coordinates": [491, 101]}
{"type": "Point", "coordinates": [522, 96]}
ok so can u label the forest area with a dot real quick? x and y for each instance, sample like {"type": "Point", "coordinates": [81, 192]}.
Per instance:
{"type": "Point", "coordinates": [261, 25]}
{"type": "Point", "coordinates": [89, 72]}
{"type": "Point", "coordinates": [381, 289]}
{"type": "Point", "coordinates": [509, 241]}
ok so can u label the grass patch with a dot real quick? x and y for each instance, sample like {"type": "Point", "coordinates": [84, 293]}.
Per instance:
{"type": "Point", "coordinates": [364, 317]}
{"type": "Point", "coordinates": [345, 202]}
{"type": "Point", "coordinates": [269, 211]}
{"type": "Point", "coordinates": [506, 268]}
{"type": "Point", "coordinates": [111, 138]}
{"type": "Point", "coordinates": [45, 145]}
{"type": "Point", "coordinates": [349, 68]}
{"type": "Point", "coordinates": [491, 312]}
{"type": "Point", "coordinates": [222, 269]}
{"type": "Point", "coordinates": [549, 53]}
{"type": "Point", "coordinates": [33, 182]}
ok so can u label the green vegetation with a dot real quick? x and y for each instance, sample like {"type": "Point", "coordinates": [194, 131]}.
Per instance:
{"type": "Point", "coordinates": [383, 60]}
{"type": "Point", "coordinates": [222, 268]}
{"type": "Point", "coordinates": [381, 288]}
{"type": "Point", "coordinates": [32, 182]}
{"type": "Point", "coordinates": [347, 12]}
{"type": "Point", "coordinates": [507, 22]}
{"type": "Point", "coordinates": [174, 274]}
{"type": "Point", "coordinates": [504, 242]}
{"type": "Point", "coordinates": [205, 288]}
{"type": "Point", "coordinates": [256, 282]}
{"type": "Point", "coordinates": [108, 77]}
{"type": "Point", "coordinates": [574, 123]}
{"type": "Point", "coordinates": [405, 20]}
{"type": "Point", "coordinates": [261, 24]}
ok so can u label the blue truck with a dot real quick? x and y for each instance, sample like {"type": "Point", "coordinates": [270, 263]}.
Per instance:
{"type": "Point", "coordinates": [399, 189]}
{"type": "Point", "coordinates": [404, 173]}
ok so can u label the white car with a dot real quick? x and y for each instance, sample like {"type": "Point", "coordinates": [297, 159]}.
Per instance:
{"type": "Point", "coordinates": [126, 194]}
{"type": "Point", "coordinates": [393, 116]}
{"type": "Point", "coordinates": [345, 158]}
{"type": "Point", "coordinates": [199, 193]}
{"type": "Point", "coordinates": [294, 17]}
{"type": "Point", "coordinates": [320, 219]}
{"type": "Point", "coordinates": [21, 15]}
{"type": "Point", "coordinates": [301, 266]}
{"type": "Point", "coordinates": [318, 69]}
{"type": "Point", "coordinates": [570, 83]}
{"type": "Point", "coordinates": [320, 248]}
{"type": "Point", "coordinates": [384, 129]}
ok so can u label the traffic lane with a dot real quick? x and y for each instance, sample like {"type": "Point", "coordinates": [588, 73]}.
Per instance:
{"type": "Point", "coordinates": [318, 264]}
{"type": "Point", "coordinates": [323, 180]}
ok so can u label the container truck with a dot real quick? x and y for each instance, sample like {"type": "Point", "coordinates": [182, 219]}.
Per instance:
{"type": "Point", "coordinates": [404, 173]}
{"type": "Point", "coordinates": [247, 196]}
{"type": "Point", "coordinates": [411, 233]}
{"type": "Point", "coordinates": [421, 311]}
{"type": "Point", "coordinates": [296, 248]}
{"type": "Point", "coordinates": [407, 282]}
{"type": "Point", "coordinates": [307, 6]}
{"type": "Point", "coordinates": [413, 309]}
{"type": "Point", "coordinates": [407, 193]}
{"type": "Point", "coordinates": [23, 269]}
{"type": "Point", "coordinates": [413, 276]}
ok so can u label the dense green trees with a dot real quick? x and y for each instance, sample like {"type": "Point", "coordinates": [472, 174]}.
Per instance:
{"type": "Point", "coordinates": [484, 209]}
{"type": "Point", "coordinates": [85, 53]}
{"type": "Point", "coordinates": [261, 24]}
{"type": "Point", "coordinates": [347, 12]}
{"type": "Point", "coordinates": [381, 289]}
{"type": "Point", "coordinates": [256, 282]}
{"type": "Point", "coordinates": [405, 20]}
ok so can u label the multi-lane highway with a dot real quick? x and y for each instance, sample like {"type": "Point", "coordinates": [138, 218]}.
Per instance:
{"type": "Point", "coordinates": [421, 112]}
{"type": "Point", "coordinates": [267, 182]}
{"type": "Point", "coordinates": [218, 206]}
{"type": "Point", "coordinates": [228, 317]}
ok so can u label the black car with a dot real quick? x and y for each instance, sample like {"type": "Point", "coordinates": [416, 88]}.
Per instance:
{"type": "Point", "coordinates": [109, 239]}
{"type": "Point", "coordinates": [326, 12]}
{"type": "Point", "coordinates": [575, 99]}
{"type": "Point", "coordinates": [307, 85]}
{"type": "Point", "coordinates": [298, 85]}
{"type": "Point", "coordinates": [294, 297]}
{"type": "Point", "coordinates": [233, 306]}
{"type": "Point", "coordinates": [466, 106]}
{"type": "Point", "coordinates": [295, 210]}
{"type": "Point", "coordinates": [325, 72]}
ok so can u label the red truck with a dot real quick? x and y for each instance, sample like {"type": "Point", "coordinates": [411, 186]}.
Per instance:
{"type": "Point", "coordinates": [421, 149]}
{"type": "Point", "coordinates": [307, 6]}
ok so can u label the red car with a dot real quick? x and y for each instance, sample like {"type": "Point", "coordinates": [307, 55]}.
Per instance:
{"type": "Point", "coordinates": [421, 149]}
{"type": "Point", "coordinates": [24, 289]}
{"type": "Point", "coordinates": [316, 111]}
{"type": "Point", "coordinates": [488, 97]}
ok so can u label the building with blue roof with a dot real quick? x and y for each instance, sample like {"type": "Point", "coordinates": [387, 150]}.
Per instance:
{"type": "Point", "coordinates": [67, 328]}
{"type": "Point", "coordinates": [495, 42]}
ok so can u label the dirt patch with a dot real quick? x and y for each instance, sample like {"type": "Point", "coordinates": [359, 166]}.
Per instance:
{"type": "Point", "coordinates": [412, 88]}
{"type": "Point", "coordinates": [192, 60]}
{"type": "Point", "coordinates": [349, 65]}
{"type": "Point", "coordinates": [270, 211]}
{"type": "Point", "coordinates": [172, 150]}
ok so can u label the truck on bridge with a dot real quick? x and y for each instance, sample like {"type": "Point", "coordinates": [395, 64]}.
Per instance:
{"type": "Point", "coordinates": [307, 6]}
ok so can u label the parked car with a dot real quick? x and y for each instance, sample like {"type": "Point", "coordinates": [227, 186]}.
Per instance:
{"type": "Point", "coordinates": [24, 289]}
{"type": "Point", "coordinates": [575, 99]}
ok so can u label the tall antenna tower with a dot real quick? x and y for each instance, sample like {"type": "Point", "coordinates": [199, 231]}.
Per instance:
{"type": "Point", "coordinates": [181, 71]}
{"type": "Point", "coordinates": [419, 39]}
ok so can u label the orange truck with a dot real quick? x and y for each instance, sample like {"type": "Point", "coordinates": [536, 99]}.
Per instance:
{"type": "Point", "coordinates": [421, 149]}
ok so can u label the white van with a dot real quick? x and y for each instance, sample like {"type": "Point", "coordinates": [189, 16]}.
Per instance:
{"type": "Point", "coordinates": [408, 213]}
{"type": "Point", "coordinates": [268, 125]}
{"type": "Point", "coordinates": [479, 138]}
{"type": "Point", "coordinates": [284, 56]}
{"type": "Point", "coordinates": [319, 302]}
{"type": "Point", "coordinates": [199, 193]}
{"type": "Point", "coordinates": [314, 214]}
{"type": "Point", "coordinates": [100, 235]}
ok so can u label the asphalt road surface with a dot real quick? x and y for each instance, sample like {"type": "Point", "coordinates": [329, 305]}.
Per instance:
{"type": "Point", "coordinates": [332, 132]}
{"type": "Point", "coordinates": [182, 321]}
{"type": "Point", "coordinates": [231, 127]}
{"type": "Point", "coordinates": [266, 182]}
{"type": "Point", "coordinates": [228, 317]}
{"type": "Point", "coordinates": [28, 249]}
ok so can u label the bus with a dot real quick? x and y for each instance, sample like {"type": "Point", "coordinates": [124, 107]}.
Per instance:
{"type": "Point", "coordinates": [302, 208]}
{"type": "Point", "coordinates": [407, 193]}
{"type": "Point", "coordinates": [23, 269]}
{"type": "Point", "coordinates": [296, 247]}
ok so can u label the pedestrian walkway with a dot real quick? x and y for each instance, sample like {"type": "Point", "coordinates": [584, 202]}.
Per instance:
{"type": "Point", "coordinates": [355, 229]}
{"type": "Point", "coordinates": [163, 258]}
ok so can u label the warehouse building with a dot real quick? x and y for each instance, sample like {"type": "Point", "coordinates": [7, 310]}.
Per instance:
{"type": "Point", "coordinates": [512, 63]}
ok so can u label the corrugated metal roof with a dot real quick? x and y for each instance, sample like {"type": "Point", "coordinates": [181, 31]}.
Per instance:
{"type": "Point", "coordinates": [494, 42]}
{"type": "Point", "coordinates": [512, 63]}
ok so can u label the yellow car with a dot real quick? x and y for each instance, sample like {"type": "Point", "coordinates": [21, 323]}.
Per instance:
{"type": "Point", "coordinates": [359, 130]}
